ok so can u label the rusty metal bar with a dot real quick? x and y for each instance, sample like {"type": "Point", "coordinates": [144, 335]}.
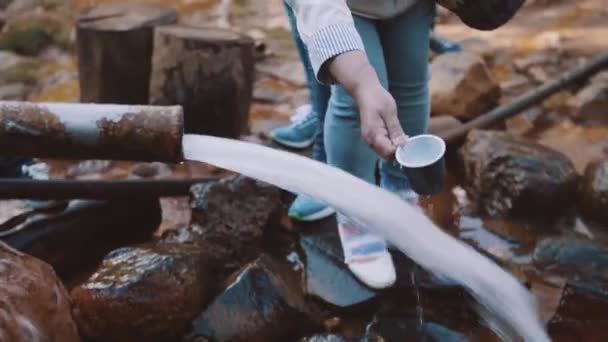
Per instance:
{"type": "Point", "coordinates": [91, 131]}
{"type": "Point", "coordinates": [93, 189]}
{"type": "Point", "coordinates": [456, 135]}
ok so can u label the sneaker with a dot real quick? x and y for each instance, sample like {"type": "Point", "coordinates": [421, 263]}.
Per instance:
{"type": "Point", "coordinates": [366, 255]}
{"type": "Point", "coordinates": [307, 209]}
{"type": "Point", "coordinates": [441, 45]}
{"type": "Point", "coordinates": [36, 171]}
{"type": "Point", "coordinates": [300, 134]}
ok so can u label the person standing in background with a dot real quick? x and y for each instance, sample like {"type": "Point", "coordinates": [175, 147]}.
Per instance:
{"type": "Point", "coordinates": [306, 127]}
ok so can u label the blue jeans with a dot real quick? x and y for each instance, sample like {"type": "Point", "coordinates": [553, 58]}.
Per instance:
{"type": "Point", "coordinates": [319, 93]}
{"type": "Point", "coordinates": [398, 50]}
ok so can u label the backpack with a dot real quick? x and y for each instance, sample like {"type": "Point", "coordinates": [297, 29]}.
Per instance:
{"type": "Point", "coordinates": [483, 14]}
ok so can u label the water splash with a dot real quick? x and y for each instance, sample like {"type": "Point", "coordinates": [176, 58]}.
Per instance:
{"type": "Point", "coordinates": [497, 291]}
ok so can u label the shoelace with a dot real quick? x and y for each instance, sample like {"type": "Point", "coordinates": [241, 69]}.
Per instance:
{"type": "Point", "coordinates": [303, 116]}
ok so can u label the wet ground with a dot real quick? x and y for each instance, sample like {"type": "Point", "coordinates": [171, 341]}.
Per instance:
{"type": "Point", "coordinates": [559, 34]}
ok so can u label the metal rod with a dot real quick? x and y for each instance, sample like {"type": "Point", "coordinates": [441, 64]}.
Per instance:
{"type": "Point", "coordinates": [86, 189]}
{"type": "Point", "coordinates": [456, 135]}
{"type": "Point", "coordinates": [91, 131]}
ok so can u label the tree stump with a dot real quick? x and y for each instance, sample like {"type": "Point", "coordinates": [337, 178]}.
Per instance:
{"type": "Point", "coordinates": [209, 72]}
{"type": "Point", "coordinates": [115, 51]}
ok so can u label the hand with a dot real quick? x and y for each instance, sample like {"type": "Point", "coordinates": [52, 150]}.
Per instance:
{"type": "Point", "coordinates": [380, 125]}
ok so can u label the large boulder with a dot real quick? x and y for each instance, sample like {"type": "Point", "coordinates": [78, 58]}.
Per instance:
{"type": "Point", "coordinates": [462, 86]}
{"type": "Point", "coordinates": [34, 304]}
{"type": "Point", "coordinates": [508, 175]}
{"type": "Point", "coordinates": [75, 238]}
{"type": "Point", "coordinates": [593, 198]}
{"type": "Point", "coordinates": [229, 218]}
{"type": "Point", "coordinates": [263, 303]}
{"type": "Point", "coordinates": [145, 293]}
{"type": "Point", "coordinates": [581, 261]}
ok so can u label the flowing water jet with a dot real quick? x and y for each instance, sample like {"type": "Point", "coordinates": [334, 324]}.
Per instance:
{"type": "Point", "coordinates": [498, 292]}
{"type": "Point", "coordinates": [154, 133]}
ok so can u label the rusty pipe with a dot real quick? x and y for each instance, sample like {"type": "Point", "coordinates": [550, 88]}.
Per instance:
{"type": "Point", "coordinates": [91, 131]}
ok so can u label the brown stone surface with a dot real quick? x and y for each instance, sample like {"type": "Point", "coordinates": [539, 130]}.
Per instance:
{"type": "Point", "coordinates": [594, 192]}
{"type": "Point", "coordinates": [507, 175]}
{"type": "Point", "coordinates": [229, 218]}
{"type": "Point", "coordinates": [144, 293]}
{"type": "Point", "coordinates": [34, 304]}
{"type": "Point", "coordinates": [462, 86]}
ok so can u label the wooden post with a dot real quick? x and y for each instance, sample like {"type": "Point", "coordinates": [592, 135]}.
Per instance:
{"type": "Point", "coordinates": [115, 50]}
{"type": "Point", "coordinates": [209, 72]}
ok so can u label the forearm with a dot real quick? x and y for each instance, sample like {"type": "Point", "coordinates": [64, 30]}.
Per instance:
{"type": "Point", "coordinates": [353, 71]}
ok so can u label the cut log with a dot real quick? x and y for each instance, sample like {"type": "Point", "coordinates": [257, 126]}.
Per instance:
{"type": "Point", "coordinates": [209, 72]}
{"type": "Point", "coordinates": [115, 51]}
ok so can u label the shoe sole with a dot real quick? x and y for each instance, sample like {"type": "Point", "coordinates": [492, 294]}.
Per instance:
{"type": "Point", "coordinates": [297, 145]}
{"type": "Point", "coordinates": [320, 215]}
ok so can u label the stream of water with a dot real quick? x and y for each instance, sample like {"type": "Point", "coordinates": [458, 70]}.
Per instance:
{"type": "Point", "coordinates": [503, 300]}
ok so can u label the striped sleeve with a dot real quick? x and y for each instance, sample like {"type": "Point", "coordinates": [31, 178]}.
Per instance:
{"type": "Point", "coordinates": [328, 30]}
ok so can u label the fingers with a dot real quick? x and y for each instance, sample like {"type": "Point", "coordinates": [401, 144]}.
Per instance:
{"type": "Point", "coordinates": [377, 138]}
{"type": "Point", "coordinates": [393, 126]}
{"type": "Point", "coordinates": [384, 146]}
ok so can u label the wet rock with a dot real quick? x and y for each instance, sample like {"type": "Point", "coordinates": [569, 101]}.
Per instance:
{"type": "Point", "coordinates": [327, 338]}
{"type": "Point", "coordinates": [35, 305]}
{"type": "Point", "coordinates": [590, 105]}
{"type": "Point", "coordinates": [593, 196]}
{"type": "Point", "coordinates": [145, 293]}
{"type": "Point", "coordinates": [17, 69]}
{"type": "Point", "coordinates": [326, 276]}
{"type": "Point", "coordinates": [32, 31]}
{"type": "Point", "coordinates": [462, 86]}
{"type": "Point", "coordinates": [76, 237]}
{"type": "Point", "coordinates": [507, 175]}
{"type": "Point", "coordinates": [581, 316]}
{"type": "Point", "coordinates": [579, 260]}
{"type": "Point", "coordinates": [229, 218]}
{"type": "Point", "coordinates": [13, 92]}
{"type": "Point", "coordinates": [263, 303]}
{"type": "Point", "coordinates": [400, 328]}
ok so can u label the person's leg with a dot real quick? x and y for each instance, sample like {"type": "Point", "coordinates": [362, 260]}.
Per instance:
{"type": "Point", "coordinates": [319, 93]}
{"type": "Point", "coordinates": [405, 40]}
{"type": "Point", "coordinates": [365, 253]}
{"type": "Point", "coordinates": [305, 208]}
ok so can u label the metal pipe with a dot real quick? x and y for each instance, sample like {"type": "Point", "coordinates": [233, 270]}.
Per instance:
{"type": "Point", "coordinates": [93, 189]}
{"type": "Point", "coordinates": [91, 131]}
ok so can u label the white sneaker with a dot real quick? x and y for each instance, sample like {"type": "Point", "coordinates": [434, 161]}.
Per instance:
{"type": "Point", "coordinates": [366, 255]}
